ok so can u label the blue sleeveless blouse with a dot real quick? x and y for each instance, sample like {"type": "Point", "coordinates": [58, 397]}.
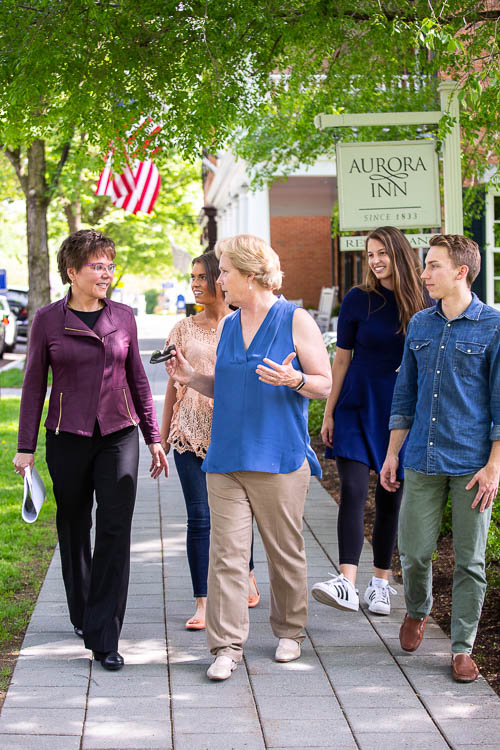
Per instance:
{"type": "Point", "coordinates": [256, 426]}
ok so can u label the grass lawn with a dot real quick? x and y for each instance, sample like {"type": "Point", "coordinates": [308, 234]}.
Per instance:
{"type": "Point", "coordinates": [25, 549]}
{"type": "Point", "coordinates": [14, 378]}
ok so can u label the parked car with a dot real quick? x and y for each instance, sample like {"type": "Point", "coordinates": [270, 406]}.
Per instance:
{"type": "Point", "coordinates": [18, 301]}
{"type": "Point", "coordinates": [10, 322]}
{"type": "Point", "coordinates": [2, 337]}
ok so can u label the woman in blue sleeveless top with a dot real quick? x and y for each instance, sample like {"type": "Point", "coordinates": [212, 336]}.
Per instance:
{"type": "Point", "coordinates": [270, 360]}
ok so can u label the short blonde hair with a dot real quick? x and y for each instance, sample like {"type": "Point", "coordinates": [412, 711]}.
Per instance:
{"type": "Point", "coordinates": [251, 255]}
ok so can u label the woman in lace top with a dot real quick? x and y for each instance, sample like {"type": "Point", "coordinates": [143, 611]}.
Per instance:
{"type": "Point", "coordinates": [186, 425]}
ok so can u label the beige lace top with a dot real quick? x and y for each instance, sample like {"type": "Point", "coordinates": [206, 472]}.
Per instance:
{"type": "Point", "coordinates": [192, 413]}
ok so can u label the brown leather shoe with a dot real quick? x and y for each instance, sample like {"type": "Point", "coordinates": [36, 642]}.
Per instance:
{"type": "Point", "coordinates": [464, 668]}
{"type": "Point", "coordinates": [412, 632]}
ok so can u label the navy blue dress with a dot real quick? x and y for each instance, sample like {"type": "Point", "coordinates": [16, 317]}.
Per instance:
{"type": "Point", "coordinates": [368, 324]}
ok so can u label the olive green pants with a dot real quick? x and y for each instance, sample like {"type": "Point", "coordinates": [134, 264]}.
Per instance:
{"type": "Point", "coordinates": [424, 500]}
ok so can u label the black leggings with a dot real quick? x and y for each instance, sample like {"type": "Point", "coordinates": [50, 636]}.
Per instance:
{"type": "Point", "coordinates": [354, 478]}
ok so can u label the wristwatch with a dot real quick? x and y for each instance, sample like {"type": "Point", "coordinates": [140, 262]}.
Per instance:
{"type": "Point", "coordinates": [301, 384]}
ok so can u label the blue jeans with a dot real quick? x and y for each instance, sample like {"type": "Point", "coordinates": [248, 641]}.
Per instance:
{"type": "Point", "coordinates": [194, 488]}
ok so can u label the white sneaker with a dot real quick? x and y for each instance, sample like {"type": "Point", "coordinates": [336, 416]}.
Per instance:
{"type": "Point", "coordinates": [221, 668]}
{"type": "Point", "coordinates": [288, 650]}
{"type": "Point", "coordinates": [338, 592]}
{"type": "Point", "coordinates": [377, 597]}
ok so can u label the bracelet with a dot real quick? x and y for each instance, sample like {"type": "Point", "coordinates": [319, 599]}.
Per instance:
{"type": "Point", "coordinates": [301, 384]}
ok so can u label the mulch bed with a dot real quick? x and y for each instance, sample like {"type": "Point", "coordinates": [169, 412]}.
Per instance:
{"type": "Point", "coordinates": [487, 645]}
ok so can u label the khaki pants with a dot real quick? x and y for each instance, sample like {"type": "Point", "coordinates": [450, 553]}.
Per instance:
{"type": "Point", "coordinates": [277, 502]}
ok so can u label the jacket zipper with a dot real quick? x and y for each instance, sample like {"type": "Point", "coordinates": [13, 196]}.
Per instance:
{"type": "Point", "coordinates": [60, 413]}
{"type": "Point", "coordinates": [126, 402]}
{"type": "Point", "coordinates": [82, 330]}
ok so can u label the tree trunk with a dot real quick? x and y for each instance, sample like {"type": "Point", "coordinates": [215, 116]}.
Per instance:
{"type": "Point", "coordinates": [37, 203]}
{"type": "Point", "coordinates": [73, 213]}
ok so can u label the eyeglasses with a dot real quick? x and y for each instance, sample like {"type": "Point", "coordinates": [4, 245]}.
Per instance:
{"type": "Point", "coordinates": [98, 267]}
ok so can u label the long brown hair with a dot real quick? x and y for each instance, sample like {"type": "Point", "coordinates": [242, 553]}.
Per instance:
{"type": "Point", "coordinates": [406, 270]}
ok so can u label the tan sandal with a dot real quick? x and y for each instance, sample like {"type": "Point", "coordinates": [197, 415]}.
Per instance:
{"type": "Point", "coordinates": [254, 600]}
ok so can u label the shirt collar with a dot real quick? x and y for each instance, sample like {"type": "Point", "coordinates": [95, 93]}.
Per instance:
{"type": "Point", "coordinates": [472, 312]}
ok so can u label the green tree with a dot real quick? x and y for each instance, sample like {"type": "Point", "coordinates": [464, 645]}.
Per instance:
{"type": "Point", "coordinates": [202, 67]}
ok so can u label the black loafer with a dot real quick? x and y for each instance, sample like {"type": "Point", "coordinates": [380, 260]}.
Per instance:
{"type": "Point", "coordinates": [111, 660]}
{"type": "Point", "coordinates": [78, 632]}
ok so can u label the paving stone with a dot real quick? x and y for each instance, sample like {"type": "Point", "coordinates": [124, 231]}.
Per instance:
{"type": "Point", "coordinates": [43, 742]}
{"type": "Point", "coordinates": [219, 741]}
{"type": "Point", "coordinates": [265, 664]}
{"type": "Point", "coordinates": [208, 721]}
{"type": "Point", "coordinates": [196, 675]}
{"type": "Point", "coordinates": [463, 706]}
{"type": "Point", "coordinates": [398, 741]}
{"type": "Point", "coordinates": [382, 675]}
{"type": "Point", "coordinates": [193, 697]}
{"type": "Point", "coordinates": [306, 733]}
{"type": "Point", "coordinates": [291, 683]}
{"type": "Point", "coordinates": [354, 657]}
{"type": "Point", "coordinates": [470, 731]}
{"type": "Point", "coordinates": [147, 708]}
{"type": "Point", "coordinates": [47, 676]}
{"type": "Point", "coordinates": [317, 708]}
{"type": "Point", "coordinates": [65, 721]}
{"type": "Point", "coordinates": [414, 720]}
{"type": "Point", "coordinates": [127, 735]}
{"type": "Point", "coordinates": [376, 696]}
{"type": "Point", "coordinates": [143, 680]}
{"type": "Point", "coordinates": [37, 698]}
{"type": "Point", "coordinates": [144, 615]}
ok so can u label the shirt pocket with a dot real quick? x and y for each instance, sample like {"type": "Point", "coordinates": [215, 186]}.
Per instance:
{"type": "Point", "coordinates": [420, 349]}
{"type": "Point", "coordinates": [469, 358]}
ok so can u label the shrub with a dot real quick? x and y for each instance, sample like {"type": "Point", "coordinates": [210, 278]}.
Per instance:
{"type": "Point", "coordinates": [151, 300]}
{"type": "Point", "coordinates": [316, 410]}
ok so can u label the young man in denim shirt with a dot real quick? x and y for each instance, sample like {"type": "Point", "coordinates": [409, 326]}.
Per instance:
{"type": "Point", "coordinates": [447, 397]}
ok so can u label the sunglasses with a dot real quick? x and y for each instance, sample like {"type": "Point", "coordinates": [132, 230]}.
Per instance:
{"type": "Point", "coordinates": [163, 355]}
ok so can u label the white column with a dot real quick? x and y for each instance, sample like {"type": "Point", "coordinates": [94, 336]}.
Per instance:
{"type": "Point", "coordinates": [244, 209]}
{"type": "Point", "coordinates": [221, 223]}
{"type": "Point", "coordinates": [236, 217]}
{"type": "Point", "coordinates": [258, 214]}
{"type": "Point", "coordinates": [452, 170]}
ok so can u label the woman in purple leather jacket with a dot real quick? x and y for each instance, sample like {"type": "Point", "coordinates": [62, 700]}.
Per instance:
{"type": "Point", "coordinates": [99, 395]}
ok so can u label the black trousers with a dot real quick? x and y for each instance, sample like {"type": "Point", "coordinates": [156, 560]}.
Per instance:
{"type": "Point", "coordinates": [354, 479]}
{"type": "Point", "coordinates": [96, 582]}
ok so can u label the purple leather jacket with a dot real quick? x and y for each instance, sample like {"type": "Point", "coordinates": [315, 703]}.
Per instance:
{"type": "Point", "coordinates": [97, 374]}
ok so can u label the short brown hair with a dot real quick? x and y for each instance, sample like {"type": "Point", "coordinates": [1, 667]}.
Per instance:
{"type": "Point", "coordinates": [79, 247]}
{"type": "Point", "coordinates": [462, 251]}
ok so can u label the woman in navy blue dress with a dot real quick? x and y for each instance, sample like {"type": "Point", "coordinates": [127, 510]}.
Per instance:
{"type": "Point", "coordinates": [370, 339]}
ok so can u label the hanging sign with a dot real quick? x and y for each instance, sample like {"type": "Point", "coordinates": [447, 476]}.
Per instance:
{"type": "Point", "coordinates": [389, 183]}
{"type": "Point", "coordinates": [357, 243]}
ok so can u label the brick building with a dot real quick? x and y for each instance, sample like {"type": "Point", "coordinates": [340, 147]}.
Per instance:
{"type": "Point", "coordinates": [293, 216]}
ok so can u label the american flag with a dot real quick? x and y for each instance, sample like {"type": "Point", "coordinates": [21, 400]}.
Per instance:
{"type": "Point", "coordinates": [137, 188]}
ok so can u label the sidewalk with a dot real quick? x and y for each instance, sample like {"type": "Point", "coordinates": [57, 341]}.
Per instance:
{"type": "Point", "coordinates": [353, 687]}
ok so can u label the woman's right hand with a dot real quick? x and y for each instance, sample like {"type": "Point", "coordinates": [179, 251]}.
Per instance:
{"type": "Point", "coordinates": [165, 446]}
{"type": "Point", "coordinates": [22, 460]}
{"type": "Point", "coordinates": [327, 430]}
{"type": "Point", "coordinates": [179, 368]}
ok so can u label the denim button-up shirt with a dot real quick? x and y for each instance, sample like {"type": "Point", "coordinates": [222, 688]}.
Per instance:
{"type": "Point", "coordinates": [448, 389]}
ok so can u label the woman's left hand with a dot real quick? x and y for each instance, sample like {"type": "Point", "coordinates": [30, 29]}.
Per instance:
{"type": "Point", "coordinates": [283, 374]}
{"type": "Point", "coordinates": [159, 460]}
